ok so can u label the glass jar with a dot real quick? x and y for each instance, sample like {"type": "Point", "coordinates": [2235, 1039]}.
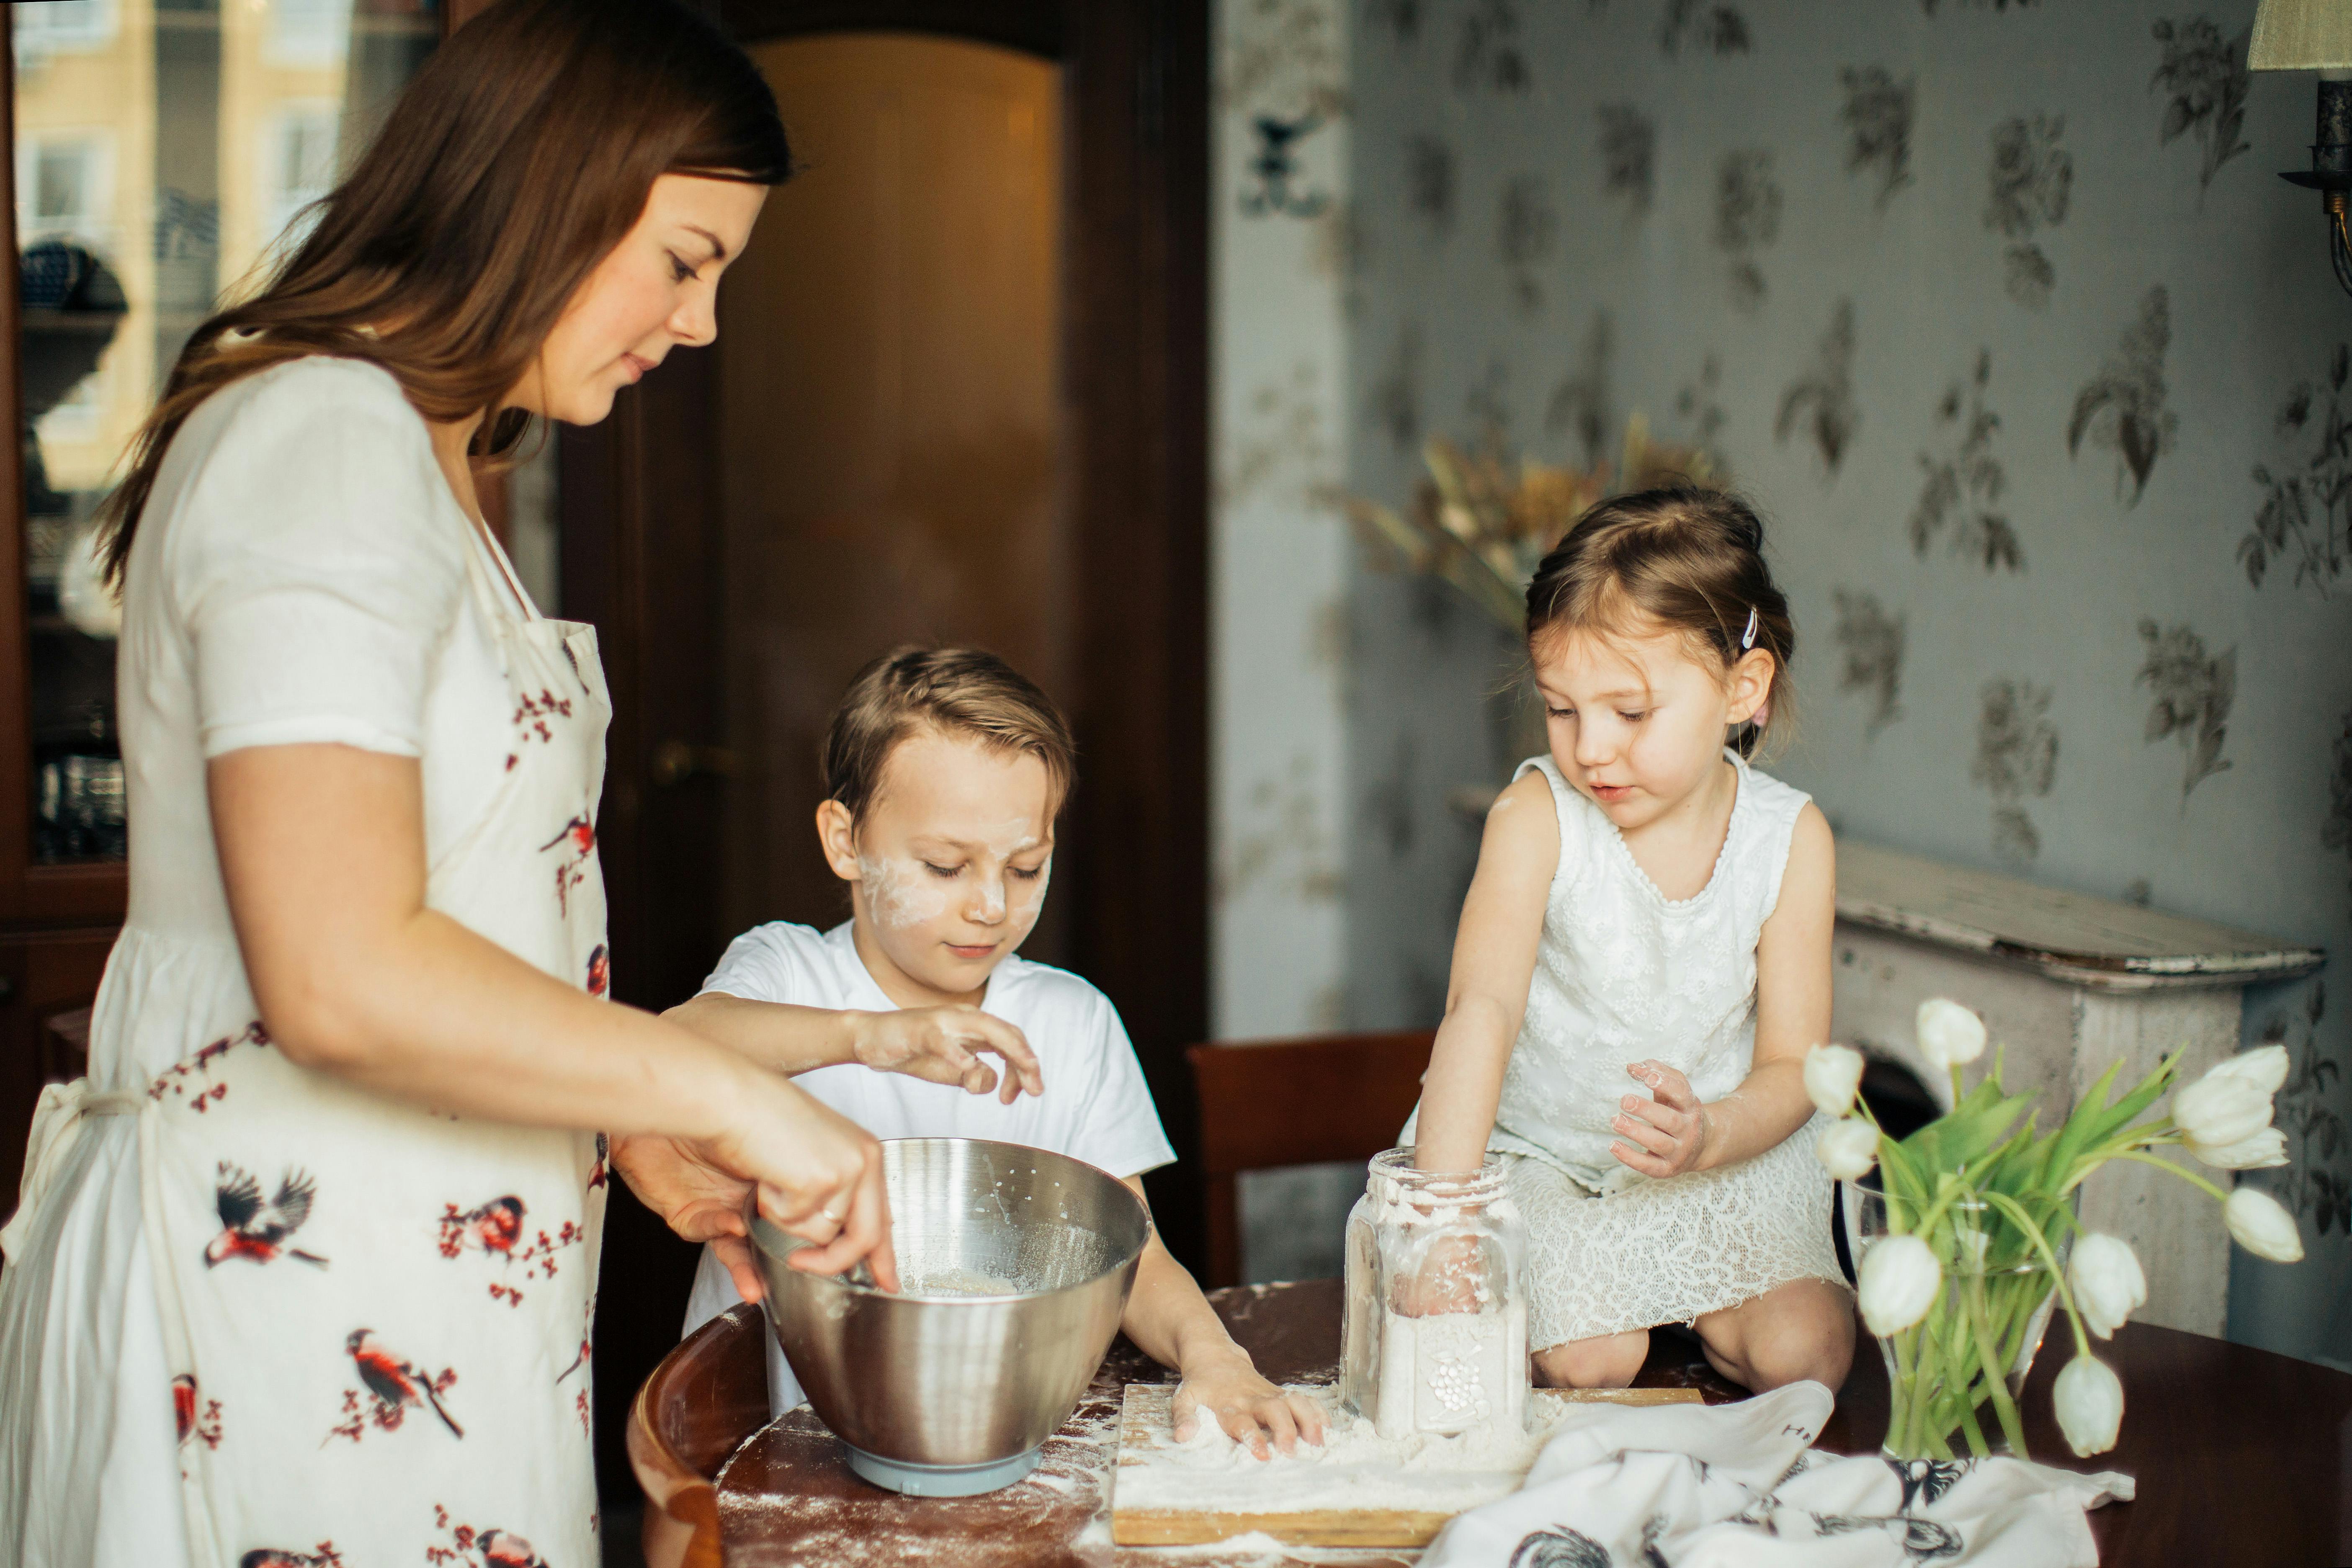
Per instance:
{"type": "Point", "coordinates": [1434, 1339]}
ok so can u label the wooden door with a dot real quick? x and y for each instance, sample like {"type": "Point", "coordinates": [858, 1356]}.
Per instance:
{"type": "Point", "coordinates": [646, 556]}
{"type": "Point", "coordinates": [888, 418]}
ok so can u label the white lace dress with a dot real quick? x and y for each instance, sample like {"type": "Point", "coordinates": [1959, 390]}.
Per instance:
{"type": "Point", "coordinates": [1624, 974]}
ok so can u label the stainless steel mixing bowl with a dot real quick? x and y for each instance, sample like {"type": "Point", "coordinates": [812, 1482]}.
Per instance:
{"type": "Point", "coordinates": [948, 1395]}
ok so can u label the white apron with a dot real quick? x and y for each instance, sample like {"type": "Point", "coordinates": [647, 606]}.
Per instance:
{"type": "Point", "coordinates": [376, 1316]}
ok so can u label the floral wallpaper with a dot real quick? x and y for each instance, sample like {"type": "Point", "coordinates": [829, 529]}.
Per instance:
{"type": "Point", "coordinates": [2038, 373]}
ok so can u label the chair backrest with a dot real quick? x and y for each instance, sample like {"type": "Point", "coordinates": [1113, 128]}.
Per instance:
{"type": "Point", "coordinates": [1310, 1101]}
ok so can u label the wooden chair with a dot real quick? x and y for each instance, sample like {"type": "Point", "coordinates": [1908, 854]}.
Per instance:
{"type": "Point", "coordinates": [1268, 1104]}
{"type": "Point", "coordinates": [699, 1404]}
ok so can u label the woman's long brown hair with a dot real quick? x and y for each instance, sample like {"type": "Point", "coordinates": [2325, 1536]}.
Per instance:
{"type": "Point", "coordinates": [515, 161]}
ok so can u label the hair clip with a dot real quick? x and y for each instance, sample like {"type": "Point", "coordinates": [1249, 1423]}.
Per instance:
{"type": "Point", "coordinates": [1748, 638]}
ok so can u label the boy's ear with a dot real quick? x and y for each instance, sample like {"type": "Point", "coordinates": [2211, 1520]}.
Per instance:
{"type": "Point", "coordinates": [836, 834]}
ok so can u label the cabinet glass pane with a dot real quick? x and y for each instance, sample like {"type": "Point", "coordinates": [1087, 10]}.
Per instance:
{"type": "Point", "coordinates": [164, 150]}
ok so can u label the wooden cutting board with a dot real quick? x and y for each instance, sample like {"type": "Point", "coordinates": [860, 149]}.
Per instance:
{"type": "Point", "coordinates": [1257, 1501]}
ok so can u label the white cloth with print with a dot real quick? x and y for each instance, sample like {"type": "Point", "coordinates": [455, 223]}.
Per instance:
{"type": "Point", "coordinates": [304, 574]}
{"type": "Point", "coordinates": [1626, 974]}
{"type": "Point", "coordinates": [1096, 1108]}
{"type": "Point", "coordinates": [1740, 1485]}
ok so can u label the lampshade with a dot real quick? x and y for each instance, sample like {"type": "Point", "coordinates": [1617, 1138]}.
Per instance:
{"type": "Point", "coordinates": [2302, 35]}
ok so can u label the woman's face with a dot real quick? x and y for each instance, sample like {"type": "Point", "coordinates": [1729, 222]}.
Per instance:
{"type": "Point", "coordinates": [657, 289]}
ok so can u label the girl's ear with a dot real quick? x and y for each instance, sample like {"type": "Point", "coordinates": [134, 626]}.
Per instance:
{"type": "Point", "coordinates": [1750, 686]}
{"type": "Point", "coordinates": [837, 835]}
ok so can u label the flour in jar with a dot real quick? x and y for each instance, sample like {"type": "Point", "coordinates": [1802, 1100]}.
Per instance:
{"type": "Point", "coordinates": [1452, 1371]}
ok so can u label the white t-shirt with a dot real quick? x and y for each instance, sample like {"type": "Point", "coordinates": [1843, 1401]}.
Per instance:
{"type": "Point", "coordinates": [1096, 1107]}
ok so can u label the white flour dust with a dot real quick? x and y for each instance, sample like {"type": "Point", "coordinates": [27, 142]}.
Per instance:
{"type": "Point", "coordinates": [902, 893]}
{"type": "Point", "coordinates": [952, 1283]}
{"type": "Point", "coordinates": [1355, 1468]}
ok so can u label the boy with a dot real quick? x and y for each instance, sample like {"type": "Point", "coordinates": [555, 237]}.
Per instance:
{"type": "Point", "coordinates": [944, 772]}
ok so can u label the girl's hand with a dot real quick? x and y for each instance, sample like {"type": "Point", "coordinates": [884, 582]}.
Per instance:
{"type": "Point", "coordinates": [938, 1045]}
{"type": "Point", "coordinates": [1250, 1410]}
{"type": "Point", "coordinates": [1665, 1135]}
{"type": "Point", "coordinates": [1447, 1279]}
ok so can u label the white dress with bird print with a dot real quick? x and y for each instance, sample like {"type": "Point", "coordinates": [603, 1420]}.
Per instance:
{"type": "Point", "coordinates": [253, 1315]}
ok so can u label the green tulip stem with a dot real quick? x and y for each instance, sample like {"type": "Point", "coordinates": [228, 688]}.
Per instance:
{"type": "Point", "coordinates": [1900, 1396]}
{"type": "Point", "coordinates": [1996, 1374]}
{"type": "Point", "coordinates": [2016, 1211]}
{"type": "Point", "coordinates": [2183, 1173]}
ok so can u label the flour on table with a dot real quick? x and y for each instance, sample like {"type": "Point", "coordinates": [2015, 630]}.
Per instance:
{"type": "Point", "coordinates": [1355, 1468]}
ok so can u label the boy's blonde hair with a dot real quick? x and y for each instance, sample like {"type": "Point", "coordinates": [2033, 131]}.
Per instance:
{"type": "Point", "coordinates": [955, 691]}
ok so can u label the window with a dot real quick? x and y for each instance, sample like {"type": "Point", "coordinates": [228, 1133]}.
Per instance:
{"type": "Point", "coordinates": [299, 160]}
{"type": "Point", "coordinates": [65, 189]}
{"type": "Point", "coordinates": [309, 32]}
{"type": "Point", "coordinates": [46, 27]}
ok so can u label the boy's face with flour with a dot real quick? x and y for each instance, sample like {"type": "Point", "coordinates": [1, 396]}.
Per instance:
{"type": "Point", "coordinates": [947, 865]}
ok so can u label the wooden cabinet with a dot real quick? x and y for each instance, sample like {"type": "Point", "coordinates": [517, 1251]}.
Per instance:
{"type": "Point", "coordinates": [2067, 983]}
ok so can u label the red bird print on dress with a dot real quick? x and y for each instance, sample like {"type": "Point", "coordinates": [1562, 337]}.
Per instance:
{"type": "Point", "coordinates": [600, 971]}
{"type": "Point", "coordinates": [206, 1425]}
{"type": "Point", "coordinates": [494, 1227]}
{"type": "Point", "coordinates": [394, 1382]}
{"type": "Point", "coordinates": [326, 1556]}
{"type": "Point", "coordinates": [505, 1549]}
{"type": "Point", "coordinates": [251, 1228]}
{"type": "Point", "coordinates": [578, 841]}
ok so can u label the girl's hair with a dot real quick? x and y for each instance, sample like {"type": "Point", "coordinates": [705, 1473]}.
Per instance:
{"type": "Point", "coordinates": [514, 162]}
{"type": "Point", "coordinates": [1681, 558]}
{"type": "Point", "coordinates": [956, 690]}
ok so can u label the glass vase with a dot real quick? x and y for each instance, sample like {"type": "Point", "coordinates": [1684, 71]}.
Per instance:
{"type": "Point", "coordinates": [1955, 1377]}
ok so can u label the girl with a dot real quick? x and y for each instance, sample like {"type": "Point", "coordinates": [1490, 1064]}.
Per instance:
{"type": "Point", "coordinates": [1648, 904]}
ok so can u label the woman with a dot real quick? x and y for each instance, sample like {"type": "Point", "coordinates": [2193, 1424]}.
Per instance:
{"type": "Point", "coordinates": [305, 1268]}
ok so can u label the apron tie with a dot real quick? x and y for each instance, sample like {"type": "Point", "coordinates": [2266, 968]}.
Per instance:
{"type": "Point", "coordinates": [56, 1126]}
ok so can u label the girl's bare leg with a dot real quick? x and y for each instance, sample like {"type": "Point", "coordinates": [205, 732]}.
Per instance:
{"type": "Point", "coordinates": [1798, 1331]}
{"type": "Point", "coordinates": [1607, 1360]}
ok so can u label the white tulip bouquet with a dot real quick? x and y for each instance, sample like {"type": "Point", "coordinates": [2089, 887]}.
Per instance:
{"type": "Point", "coordinates": [1958, 1272]}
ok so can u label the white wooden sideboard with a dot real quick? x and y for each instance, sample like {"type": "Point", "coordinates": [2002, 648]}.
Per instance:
{"type": "Point", "coordinates": [2068, 983]}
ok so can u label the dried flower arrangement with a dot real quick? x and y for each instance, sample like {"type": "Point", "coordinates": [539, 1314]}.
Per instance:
{"type": "Point", "coordinates": [1481, 521]}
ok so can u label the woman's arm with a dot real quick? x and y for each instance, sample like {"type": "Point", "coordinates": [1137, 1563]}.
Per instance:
{"type": "Point", "coordinates": [938, 1045]}
{"type": "Point", "coordinates": [322, 854]}
{"type": "Point", "coordinates": [1171, 1321]}
{"type": "Point", "coordinates": [1674, 1132]}
{"type": "Point", "coordinates": [1494, 959]}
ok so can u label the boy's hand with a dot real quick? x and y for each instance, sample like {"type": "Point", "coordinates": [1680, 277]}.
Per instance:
{"type": "Point", "coordinates": [1663, 1136]}
{"type": "Point", "coordinates": [1229, 1391]}
{"type": "Point", "coordinates": [938, 1045]}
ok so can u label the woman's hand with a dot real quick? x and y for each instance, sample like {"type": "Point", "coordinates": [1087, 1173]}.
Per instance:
{"type": "Point", "coordinates": [938, 1045]}
{"type": "Point", "coordinates": [817, 1175]}
{"type": "Point", "coordinates": [694, 1197]}
{"type": "Point", "coordinates": [1227, 1388]}
{"type": "Point", "coordinates": [1666, 1134]}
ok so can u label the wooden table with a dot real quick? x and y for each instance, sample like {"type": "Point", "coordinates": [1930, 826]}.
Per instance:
{"type": "Point", "coordinates": [2242, 1457]}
